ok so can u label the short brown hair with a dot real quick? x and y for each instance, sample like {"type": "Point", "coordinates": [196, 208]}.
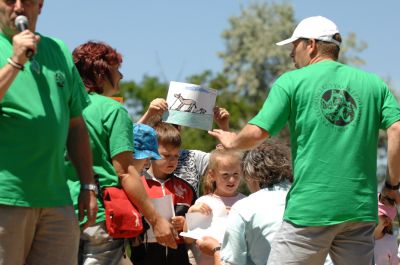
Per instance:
{"type": "Point", "coordinates": [330, 49]}
{"type": "Point", "coordinates": [168, 134]}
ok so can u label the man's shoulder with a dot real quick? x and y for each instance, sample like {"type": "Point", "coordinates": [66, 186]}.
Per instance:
{"type": "Point", "coordinates": [49, 40]}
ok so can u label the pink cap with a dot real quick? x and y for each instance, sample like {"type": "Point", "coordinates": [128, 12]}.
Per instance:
{"type": "Point", "coordinates": [389, 211]}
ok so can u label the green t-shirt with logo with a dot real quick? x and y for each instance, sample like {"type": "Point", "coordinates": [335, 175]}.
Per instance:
{"type": "Point", "coordinates": [334, 113]}
{"type": "Point", "coordinates": [34, 122]}
{"type": "Point", "coordinates": [111, 133]}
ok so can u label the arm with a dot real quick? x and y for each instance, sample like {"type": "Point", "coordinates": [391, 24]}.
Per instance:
{"type": "Point", "coordinates": [133, 186]}
{"type": "Point", "coordinates": [393, 156]}
{"type": "Point", "coordinates": [250, 136]}
{"type": "Point", "coordinates": [157, 107]}
{"type": "Point", "coordinates": [80, 155]}
{"type": "Point", "coordinates": [21, 43]}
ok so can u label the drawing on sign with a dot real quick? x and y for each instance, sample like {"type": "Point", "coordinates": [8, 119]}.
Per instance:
{"type": "Point", "coordinates": [186, 105]}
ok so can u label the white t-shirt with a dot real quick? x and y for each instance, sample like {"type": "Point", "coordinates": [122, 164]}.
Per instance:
{"type": "Point", "coordinates": [220, 207]}
{"type": "Point", "coordinates": [385, 250]}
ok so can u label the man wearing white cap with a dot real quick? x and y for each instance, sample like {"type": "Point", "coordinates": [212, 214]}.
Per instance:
{"type": "Point", "coordinates": [334, 113]}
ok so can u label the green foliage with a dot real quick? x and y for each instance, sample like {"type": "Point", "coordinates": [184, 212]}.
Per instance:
{"type": "Point", "coordinates": [252, 61]}
{"type": "Point", "coordinates": [350, 49]}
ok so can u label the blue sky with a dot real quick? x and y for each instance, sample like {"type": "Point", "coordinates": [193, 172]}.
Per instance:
{"type": "Point", "coordinates": [176, 38]}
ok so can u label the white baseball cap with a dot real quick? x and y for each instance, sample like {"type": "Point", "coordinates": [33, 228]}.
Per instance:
{"type": "Point", "coordinates": [319, 28]}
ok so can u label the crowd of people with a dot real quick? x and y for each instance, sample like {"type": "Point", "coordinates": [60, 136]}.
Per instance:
{"type": "Point", "coordinates": [313, 203]}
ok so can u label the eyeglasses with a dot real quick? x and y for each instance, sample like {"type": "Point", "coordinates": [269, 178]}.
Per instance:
{"type": "Point", "coordinates": [387, 199]}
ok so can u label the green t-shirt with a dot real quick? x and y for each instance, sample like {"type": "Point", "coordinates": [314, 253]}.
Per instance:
{"type": "Point", "coordinates": [334, 113]}
{"type": "Point", "coordinates": [111, 133]}
{"type": "Point", "coordinates": [34, 122]}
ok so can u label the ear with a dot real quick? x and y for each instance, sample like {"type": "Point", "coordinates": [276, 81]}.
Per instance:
{"type": "Point", "coordinates": [312, 47]}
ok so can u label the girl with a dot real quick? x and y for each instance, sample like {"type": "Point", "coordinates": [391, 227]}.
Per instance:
{"type": "Point", "coordinates": [385, 250]}
{"type": "Point", "coordinates": [220, 188]}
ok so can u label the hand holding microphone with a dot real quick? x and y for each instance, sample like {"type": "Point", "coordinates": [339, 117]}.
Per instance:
{"type": "Point", "coordinates": [24, 43]}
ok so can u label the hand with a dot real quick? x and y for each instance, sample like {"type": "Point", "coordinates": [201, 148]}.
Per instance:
{"type": "Point", "coordinates": [178, 222]}
{"type": "Point", "coordinates": [225, 137]}
{"type": "Point", "coordinates": [221, 118]}
{"type": "Point", "coordinates": [157, 107]}
{"type": "Point", "coordinates": [207, 245]}
{"type": "Point", "coordinates": [22, 42]}
{"type": "Point", "coordinates": [165, 233]}
{"type": "Point", "coordinates": [200, 208]}
{"type": "Point", "coordinates": [87, 202]}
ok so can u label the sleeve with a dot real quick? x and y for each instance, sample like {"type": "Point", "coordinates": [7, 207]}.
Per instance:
{"type": "Point", "coordinates": [119, 127]}
{"type": "Point", "coordinates": [276, 109]}
{"type": "Point", "coordinates": [202, 162]}
{"type": "Point", "coordinates": [390, 108]}
{"type": "Point", "coordinates": [234, 247]}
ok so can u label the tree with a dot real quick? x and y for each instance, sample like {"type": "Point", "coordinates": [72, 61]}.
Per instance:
{"type": "Point", "coordinates": [252, 61]}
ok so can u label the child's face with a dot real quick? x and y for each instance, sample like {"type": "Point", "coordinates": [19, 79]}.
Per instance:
{"type": "Point", "coordinates": [140, 164]}
{"type": "Point", "coordinates": [226, 176]}
{"type": "Point", "coordinates": [168, 163]}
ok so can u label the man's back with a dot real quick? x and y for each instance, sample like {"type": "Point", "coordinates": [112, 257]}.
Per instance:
{"type": "Point", "coordinates": [334, 113]}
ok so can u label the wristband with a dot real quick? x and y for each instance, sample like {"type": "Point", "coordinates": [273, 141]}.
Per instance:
{"type": "Point", "coordinates": [15, 64]}
{"type": "Point", "coordinates": [216, 249]}
{"type": "Point", "coordinates": [391, 187]}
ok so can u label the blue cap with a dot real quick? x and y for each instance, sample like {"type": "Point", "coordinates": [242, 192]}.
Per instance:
{"type": "Point", "coordinates": [145, 142]}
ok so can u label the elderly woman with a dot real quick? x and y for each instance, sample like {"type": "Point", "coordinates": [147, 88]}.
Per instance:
{"type": "Point", "coordinates": [110, 131]}
{"type": "Point", "coordinates": [253, 221]}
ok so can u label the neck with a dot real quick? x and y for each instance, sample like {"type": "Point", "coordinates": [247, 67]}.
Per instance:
{"type": "Point", "coordinates": [320, 58]}
{"type": "Point", "coordinates": [157, 174]}
{"type": "Point", "coordinates": [224, 194]}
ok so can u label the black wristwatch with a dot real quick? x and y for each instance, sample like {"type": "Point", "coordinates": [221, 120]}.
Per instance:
{"type": "Point", "coordinates": [91, 187]}
{"type": "Point", "coordinates": [391, 187]}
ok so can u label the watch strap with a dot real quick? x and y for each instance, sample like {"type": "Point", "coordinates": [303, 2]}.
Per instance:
{"type": "Point", "coordinates": [91, 187]}
{"type": "Point", "coordinates": [391, 187]}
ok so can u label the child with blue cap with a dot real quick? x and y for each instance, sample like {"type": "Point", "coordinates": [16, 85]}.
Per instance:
{"type": "Point", "coordinates": [145, 146]}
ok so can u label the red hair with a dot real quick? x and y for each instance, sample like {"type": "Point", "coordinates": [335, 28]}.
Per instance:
{"type": "Point", "coordinates": [95, 60]}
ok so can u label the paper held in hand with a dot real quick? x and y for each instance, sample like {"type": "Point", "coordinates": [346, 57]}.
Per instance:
{"type": "Point", "coordinates": [165, 208]}
{"type": "Point", "coordinates": [190, 105]}
{"type": "Point", "coordinates": [200, 225]}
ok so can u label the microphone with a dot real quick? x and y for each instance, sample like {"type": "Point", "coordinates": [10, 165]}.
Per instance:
{"type": "Point", "coordinates": [21, 22]}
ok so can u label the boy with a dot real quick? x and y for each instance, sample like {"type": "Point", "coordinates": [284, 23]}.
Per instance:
{"type": "Point", "coordinates": [159, 181]}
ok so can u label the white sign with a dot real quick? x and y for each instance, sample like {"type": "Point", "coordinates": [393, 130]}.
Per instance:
{"type": "Point", "coordinates": [190, 105]}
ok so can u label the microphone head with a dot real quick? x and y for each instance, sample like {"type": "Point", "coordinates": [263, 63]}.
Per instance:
{"type": "Point", "coordinates": [21, 22]}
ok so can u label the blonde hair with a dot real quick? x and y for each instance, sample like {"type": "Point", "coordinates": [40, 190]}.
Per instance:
{"type": "Point", "coordinates": [208, 184]}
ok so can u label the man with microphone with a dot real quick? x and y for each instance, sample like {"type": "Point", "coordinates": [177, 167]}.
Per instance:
{"type": "Point", "coordinates": [41, 99]}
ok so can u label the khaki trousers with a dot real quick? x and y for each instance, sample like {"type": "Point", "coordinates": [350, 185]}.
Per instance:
{"type": "Point", "coordinates": [348, 243]}
{"type": "Point", "coordinates": [33, 236]}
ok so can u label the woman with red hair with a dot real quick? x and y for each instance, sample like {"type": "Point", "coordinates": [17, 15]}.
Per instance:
{"type": "Point", "coordinates": [110, 130]}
